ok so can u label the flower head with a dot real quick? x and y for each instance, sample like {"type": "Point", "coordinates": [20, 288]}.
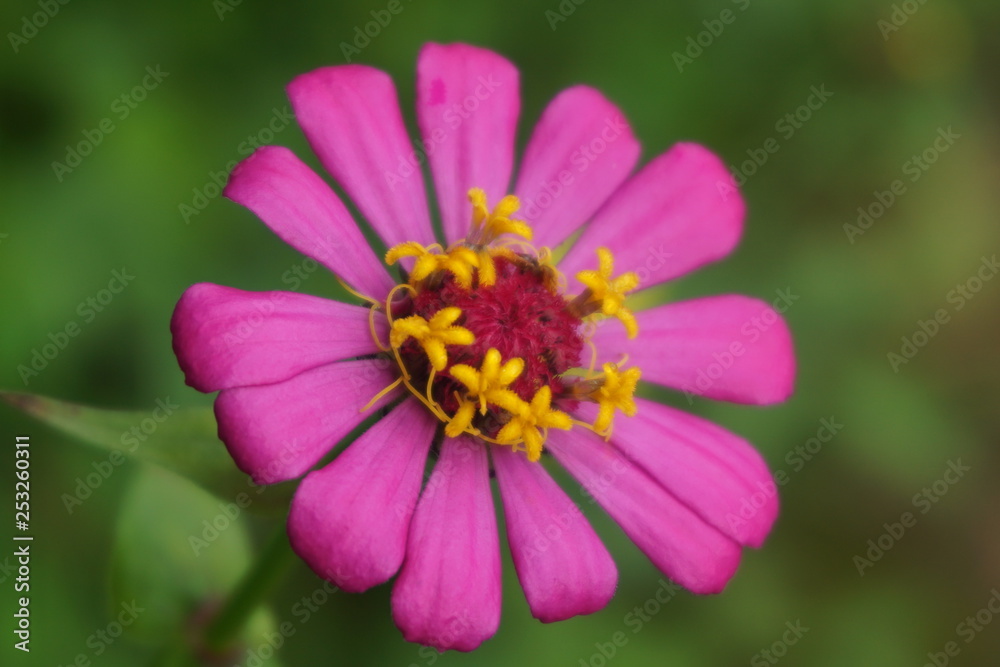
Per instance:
{"type": "Point", "coordinates": [476, 357]}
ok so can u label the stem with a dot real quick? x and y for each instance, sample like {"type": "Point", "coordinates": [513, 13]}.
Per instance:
{"type": "Point", "coordinates": [250, 592]}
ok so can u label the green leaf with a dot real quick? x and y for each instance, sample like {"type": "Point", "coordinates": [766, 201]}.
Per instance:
{"type": "Point", "coordinates": [182, 440]}
{"type": "Point", "coordinates": [178, 554]}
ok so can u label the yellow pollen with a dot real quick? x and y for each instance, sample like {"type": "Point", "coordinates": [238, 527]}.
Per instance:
{"type": "Point", "coordinates": [616, 392]}
{"type": "Point", "coordinates": [529, 420]}
{"type": "Point", "coordinates": [487, 226]}
{"type": "Point", "coordinates": [480, 386]}
{"type": "Point", "coordinates": [609, 293]}
{"type": "Point", "coordinates": [432, 335]}
{"type": "Point", "coordinates": [523, 424]}
{"type": "Point", "coordinates": [459, 261]}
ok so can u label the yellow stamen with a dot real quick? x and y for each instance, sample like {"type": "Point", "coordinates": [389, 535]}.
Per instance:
{"type": "Point", "coordinates": [487, 226]}
{"type": "Point", "coordinates": [381, 394]}
{"type": "Point", "coordinates": [609, 293]}
{"type": "Point", "coordinates": [616, 392]}
{"type": "Point", "coordinates": [356, 293]}
{"type": "Point", "coordinates": [480, 386]}
{"type": "Point", "coordinates": [459, 261]}
{"type": "Point", "coordinates": [529, 421]}
{"type": "Point", "coordinates": [433, 335]}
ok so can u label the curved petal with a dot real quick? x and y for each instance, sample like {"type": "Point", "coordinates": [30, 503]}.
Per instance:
{"type": "Point", "coordinates": [563, 566]}
{"type": "Point", "coordinates": [350, 115]}
{"type": "Point", "coordinates": [448, 593]}
{"type": "Point", "coordinates": [729, 348]}
{"type": "Point", "coordinates": [468, 101]}
{"type": "Point", "coordinates": [681, 211]}
{"type": "Point", "coordinates": [717, 474]}
{"type": "Point", "coordinates": [678, 541]}
{"type": "Point", "coordinates": [226, 337]}
{"type": "Point", "coordinates": [349, 520]}
{"type": "Point", "coordinates": [276, 432]}
{"type": "Point", "coordinates": [580, 151]}
{"type": "Point", "coordinates": [305, 213]}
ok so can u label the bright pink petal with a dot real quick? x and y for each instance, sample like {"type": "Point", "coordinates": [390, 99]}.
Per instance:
{"type": "Point", "coordinates": [580, 151]}
{"type": "Point", "coordinates": [730, 348]}
{"type": "Point", "coordinates": [678, 541]}
{"type": "Point", "coordinates": [349, 521]}
{"type": "Point", "coordinates": [563, 566]}
{"type": "Point", "coordinates": [717, 474]}
{"type": "Point", "coordinates": [448, 593]}
{"type": "Point", "coordinates": [225, 337]}
{"type": "Point", "coordinates": [350, 115]}
{"type": "Point", "coordinates": [302, 209]}
{"type": "Point", "coordinates": [468, 100]}
{"type": "Point", "coordinates": [276, 432]}
{"type": "Point", "coordinates": [681, 211]}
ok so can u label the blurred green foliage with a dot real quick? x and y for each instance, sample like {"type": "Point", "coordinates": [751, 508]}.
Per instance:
{"type": "Point", "coordinates": [222, 70]}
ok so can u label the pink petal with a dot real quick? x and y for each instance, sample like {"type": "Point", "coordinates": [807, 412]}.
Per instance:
{"type": "Point", "coordinates": [717, 474]}
{"type": "Point", "coordinates": [468, 100]}
{"type": "Point", "coordinates": [350, 115]}
{"type": "Point", "coordinates": [730, 348]}
{"type": "Point", "coordinates": [563, 566]}
{"type": "Point", "coordinates": [225, 337]}
{"type": "Point", "coordinates": [276, 432]}
{"type": "Point", "coordinates": [677, 540]}
{"type": "Point", "coordinates": [580, 151]}
{"type": "Point", "coordinates": [302, 209]}
{"type": "Point", "coordinates": [681, 211]}
{"type": "Point", "coordinates": [349, 521]}
{"type": "Point", "coordinates": [448, 593]}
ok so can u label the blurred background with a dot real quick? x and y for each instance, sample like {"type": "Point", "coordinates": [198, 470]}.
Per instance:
{"type": "Point", "coordinates": [877, 211]}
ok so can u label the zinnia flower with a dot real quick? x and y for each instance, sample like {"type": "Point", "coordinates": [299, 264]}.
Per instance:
{"type": "Point", "coordinates": [486, 355]}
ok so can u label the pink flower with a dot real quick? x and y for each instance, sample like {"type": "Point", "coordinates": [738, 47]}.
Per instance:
{"type": "Point", "coordinates": [471, 356]}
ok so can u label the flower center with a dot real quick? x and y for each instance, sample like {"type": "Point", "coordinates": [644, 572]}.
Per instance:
{"type": "Point", "coordinates": [484, 337]}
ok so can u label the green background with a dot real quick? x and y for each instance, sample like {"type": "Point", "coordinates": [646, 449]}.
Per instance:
{"type": "Point", "coordinates": [858, 296]}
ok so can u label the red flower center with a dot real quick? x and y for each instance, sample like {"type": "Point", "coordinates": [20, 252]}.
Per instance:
{"type": "Point", "coordinates": [521, 316]}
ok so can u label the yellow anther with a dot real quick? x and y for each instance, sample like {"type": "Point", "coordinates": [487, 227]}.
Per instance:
{"type": "Point", "coordinates": [459, 261]}
{"type": "Point", "coordinates": [432, 335]}
{"type": "Point", "coordinates": [480, 385]}
{"type": "Point", "coordinates": [616, 392]}
{"type": "Point", "coordinates": [487, 226]}
{"type": "Point", "coordinates": [527, 420]}
{"type": "Point", "coordinates": [609, 293]}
